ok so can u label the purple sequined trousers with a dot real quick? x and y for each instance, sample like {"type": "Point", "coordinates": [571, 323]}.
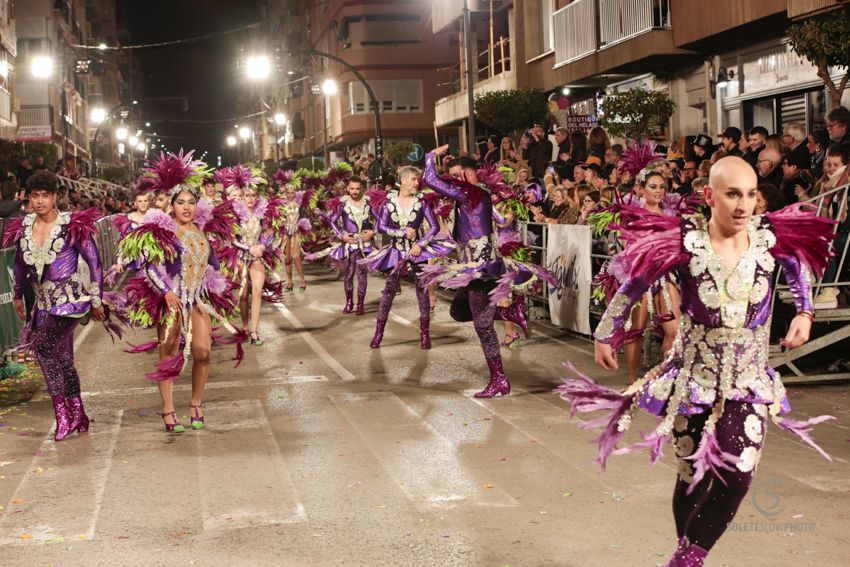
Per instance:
{"type": "Point", "coordinates": [704, 515]}
{"type": "Point", "coordinates": [483, 311]}
{"type": "Point", "coordinates": [351, 267]}
{"type": "Point", "coordinates": [54, 350]}
{"type": "Point", "coordinates": [389, 293]}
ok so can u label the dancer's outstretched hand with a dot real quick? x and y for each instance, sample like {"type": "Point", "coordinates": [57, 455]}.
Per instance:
{"type": "Point", "coordinates": [798, 333]}
{"type": "Point", "coordinates": [605, 356]}
{"type": "Point", "coordinates": [98, 313]}
{"type": "Point", "coordinates": [441, 150]}
{"type": "Point", "coordinates": [415, 251]}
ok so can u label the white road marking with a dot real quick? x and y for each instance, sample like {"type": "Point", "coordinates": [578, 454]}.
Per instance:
{"type": "Point", "coordinates": [254, 489]}
{"type": "Point", "coordinates": [186, 387]}
{"type": "Point", "coordinates": [423, 463]}
{"type": "Point", "coordinates": [61, 495]}
{"type": "Point", "coordinates": [314, 344]}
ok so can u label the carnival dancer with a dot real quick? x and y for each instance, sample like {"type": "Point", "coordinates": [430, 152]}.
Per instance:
{"type": "Point", "coordinates": [49, 246]}
{"type": "Point", "coordinates": [482, 276]}
{"type": "Point", "coordinates": [715, 389]}
{"type": "Point", "coordinates": [661, 305]}
{"type": "Point", "coordinates": [410, 220]}
{"type": "Point", "coordinates": [510, 205]}
{"type": "Point", "coordinates": [181, 287]}
{"type": "Point", "coordinates": [253, 253]}
{"type": "Point", "coordinates": [351, 218]}
{"type": "Point", "coordinates": [123, 225]}
{"type": "Point", "coordinates": [296, 226]}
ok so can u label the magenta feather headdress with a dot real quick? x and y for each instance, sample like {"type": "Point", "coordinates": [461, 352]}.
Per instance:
{"type": "Point", "coordinates": [639, 155]}
{"type": "Point", "coordinates": [171, 170]}
{"type": "Point", "coordinates": [283, 177]}
{"type": "Point", "coordinates": [238, 176]}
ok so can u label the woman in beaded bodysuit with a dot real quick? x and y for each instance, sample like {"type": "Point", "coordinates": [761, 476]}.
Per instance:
{"type": "Point", "coordinates": [181, 287]}
{"type": "Point", "coordinates": [296, 225]}
{"type": "Point", "coordinates": [714, 390]}
{"type": "Point", "coordinates": [253, 253]}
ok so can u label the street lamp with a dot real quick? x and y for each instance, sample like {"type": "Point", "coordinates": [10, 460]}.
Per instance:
{"type": "Point", "coordinates": [329, 87]}
{"type": "Point", "coordinates": [258, 67]}
{"type": "Point", "coordinates": [98, 115]}
{"type": "Point", "coordinates": [231, 141]}
{"type": "Point", "coordinates": [244, 133]}
{"type": "Point", "coordinates": [141, 146]}
{"type": "Point", "coordinates": [134, 141]}
{"type": "Point", "coordinates": [121, 133]}
{"type": "Point", "coordinates": [280, 119]}
{"type": "Point", "coordinates": [42, 66]}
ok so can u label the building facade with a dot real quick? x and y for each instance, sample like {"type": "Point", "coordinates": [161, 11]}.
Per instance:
{"type": "Point", "coordinates": [724, 63]}
{"type": "Point", "coordinates": [390, 43]}
{"type": "Point", "coordinates": [8, 51]}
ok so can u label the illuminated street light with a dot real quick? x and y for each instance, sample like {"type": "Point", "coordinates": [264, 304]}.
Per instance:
{"type": "Point", "coordinates": [244, 132]}
{"type": "Point", "coordinates": [133, 140]}
{"type": "Point", "coordinates": [565, 91]}
{"type": "Point", "coordinates": [231, 140]}
{"type": "Point", "coordinates": [280, 119]}
{"type": "Point", "coordinates": [329, 87]}
{"type": "Point", "coordinates": [147, 124]}
{"type": "Point", "coordinates": [121, 133]}
{"type": "Point", "coordinates": [42, 66]}
{"type": "Point", "coordinates": [98, 115]}
{"type": "Point", "coordinates": [258, 67]}
{"type": "Point", "coordinates": [141, 146]}
{"type": "Point", "coordinates": [102, 46]}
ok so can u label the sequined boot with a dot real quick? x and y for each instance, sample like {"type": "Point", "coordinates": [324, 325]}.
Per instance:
{"type": "Point", "coordinates": [349, 304]}
{"type": "Point", "coordinates": [63, 418]}
{"type": "Point", "coordinates": [360, 309]}
{"type": "Point", "coordinates": [515, 314]}
{"type": "Point", "coordinates": [79, 419]}
{"type": "Point", "coordinates": [688, 555]}
{"type": "Point", "coordinates": [424, 332]}
{"type": "Point", "coordinates": [379, 333]}
{"type": "Point", "coordinates": [498, 381]}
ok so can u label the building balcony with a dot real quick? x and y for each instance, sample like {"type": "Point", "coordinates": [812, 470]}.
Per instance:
{"type": "Point", "coordinates": [8, 37]}
{"type": "Point", "coordinates": [455, 108]}
{"type": "Point", "coordinates": [445, 13]}
{"type": "Point", "coordinates": [596, 38]}
{"type": "Point", "coordinates": [806, 8]}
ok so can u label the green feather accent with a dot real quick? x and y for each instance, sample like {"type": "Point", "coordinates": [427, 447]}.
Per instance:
{"type": "Point", "coordinates": [144, 245]}
{"type": "Point", "coordinates": [602, 220]}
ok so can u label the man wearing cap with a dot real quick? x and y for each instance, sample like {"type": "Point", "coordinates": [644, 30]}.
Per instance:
{"type": "Point", "coordinates": [703, 148]}
{"type": "Point", "coordinates": [729, 140]}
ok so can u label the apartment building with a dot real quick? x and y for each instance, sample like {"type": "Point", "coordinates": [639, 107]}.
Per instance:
{"type": "Point", "coordinates": [390, 43]}
{"type": "Point", "coordinates": [8, 51]}
{"type": "Point", "coordinates": [724, 62]}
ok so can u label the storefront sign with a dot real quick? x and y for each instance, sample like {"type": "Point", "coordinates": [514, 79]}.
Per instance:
{"type": "Point", "coordinates": [581, 123]}
{"type": "Point", "coordinates": [34, 133]}
{"type": "Point", "coordinates": [568, 254]}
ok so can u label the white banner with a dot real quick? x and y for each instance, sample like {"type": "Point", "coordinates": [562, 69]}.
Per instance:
{"type": "Point", "coordinates": [34, 133]}
{"type": "Point", "coordinates": [568, 257]}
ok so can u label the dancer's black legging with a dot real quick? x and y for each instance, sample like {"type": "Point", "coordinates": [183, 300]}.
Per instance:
{"type": "Point", "coordinates": [473, 304]}
{"type": "Point", "coordinates": [705, 514]}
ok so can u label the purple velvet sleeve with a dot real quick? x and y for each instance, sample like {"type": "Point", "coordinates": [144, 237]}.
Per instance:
{"type": "Point", "coordinates": [333, 220]}
{"type": "Point", "coordinates": [386, 225]}
{"type": "Point", "coordinates": [611, 328]}
{"type": "Point", "coordinates": [212, 260]}
{"type": "Point", "coordinates": [88, 251]}
{"type": "Point", "coordinates": [433, 180]}
{"type": "Point", "coordinates": [21, 274]}
{"type": "Point", "coordinates": [433, 226]}
{"type": "Point", "coordinates": [797, 276]}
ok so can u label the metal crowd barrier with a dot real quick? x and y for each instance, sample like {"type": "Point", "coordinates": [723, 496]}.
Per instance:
{"type": "Point", "coordinates": [10, 325]}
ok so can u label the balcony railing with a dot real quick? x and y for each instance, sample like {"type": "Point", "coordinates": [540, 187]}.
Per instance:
{"type": "Point", "coordinates": [574, 27]}
{"type": "Point", "coordinates": [5, 105]}
{"type": "Point", "coordinates": [35, 115]}
{"type": "Point", "coordinates": [620, 20]}
{"type": "Point", "coordinates": [798, 8]}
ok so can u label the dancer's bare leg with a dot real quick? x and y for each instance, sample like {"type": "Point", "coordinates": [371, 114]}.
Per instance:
{"type": "Point", "coordinates": [168, 346]}
{"type": "Point", "coordinates": [257, 274]}
{"type": "Point", "coordinates": [296, 259]}
{"type": "Point", "coordinates": [201, 343]}
{"type": "Point", "coordinates": [634, 349]}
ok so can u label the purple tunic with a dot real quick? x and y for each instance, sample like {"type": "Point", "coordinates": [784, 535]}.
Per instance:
{"type": "Point", "coordinates": [721, 349]}
{"type": "Point", "coordinates": [52, 267]}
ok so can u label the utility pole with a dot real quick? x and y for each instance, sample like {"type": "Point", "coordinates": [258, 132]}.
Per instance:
{"type": "Point", "coordinates": [470, 78]}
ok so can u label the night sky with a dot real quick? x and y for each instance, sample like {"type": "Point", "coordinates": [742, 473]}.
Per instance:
{"type": "Point", "coordinates": [204, 71]}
